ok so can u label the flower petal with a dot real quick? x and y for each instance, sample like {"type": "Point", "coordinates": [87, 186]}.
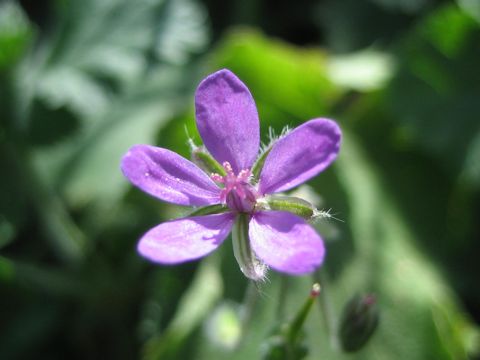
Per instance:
{"type": "Point", "coordinates": [185, 239]}
{"type": "Point", "coordinates": [300, 155]}
{"type": "Point", "coordinates": [227, 119]}
{"type": "Point", "coordinates": [168, 176]}
{"type": "Point", "coordinates": [286, 242]}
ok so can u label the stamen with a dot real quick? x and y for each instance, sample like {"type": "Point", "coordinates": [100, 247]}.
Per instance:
{"type": "Point", "coordinates": [237, 191]}
{"type": "Point", "coordinates": [244, 175]}
{"type": "Point", "coordinates": [228, 167]}
{"type": "Point", "coordinates": [218, 178]}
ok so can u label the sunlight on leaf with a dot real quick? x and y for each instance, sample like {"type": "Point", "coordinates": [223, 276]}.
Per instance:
{"type": "Point", "coordinates": [363, 71]}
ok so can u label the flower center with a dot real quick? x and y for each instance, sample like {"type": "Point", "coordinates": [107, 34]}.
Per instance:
{"type": "Point", "coordinates": [238, 193]}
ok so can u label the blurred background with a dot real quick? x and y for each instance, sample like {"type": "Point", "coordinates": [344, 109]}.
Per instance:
{"type": "Point", "coordinates": [82, 81]}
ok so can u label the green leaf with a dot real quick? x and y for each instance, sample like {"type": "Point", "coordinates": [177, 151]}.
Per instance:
{"type": "Point", "coordinates": [13, 202]}
{"type": "Point", "coordinates": [181, 31]}
{"type": "Point", "coordinates": [98, 69]}
{"type": "Point", "coordinates": [90, 60]}
{"type": "Point", "coordinates": [471, 7]}
{"type": "Point", "coordinates": [363, 70]}
{"type": "Point", "coordinates": [15, 33]}
{"type": "Point", "coordinates": [288, 84]}
{"type": "Point", "coordinates": [434, 95]}
{"type": "Point", "coordinates": [397, 271]}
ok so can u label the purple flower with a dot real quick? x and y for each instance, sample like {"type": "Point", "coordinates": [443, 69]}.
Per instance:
{"type": "Point", "coordinates": [228, 123]}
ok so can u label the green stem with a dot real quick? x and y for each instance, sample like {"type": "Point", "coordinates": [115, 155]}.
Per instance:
{"type": "Point", "coordinates": [297, 323]}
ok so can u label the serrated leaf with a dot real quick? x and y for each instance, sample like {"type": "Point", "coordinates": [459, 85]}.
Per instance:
{"type": "Point", "coordinates": [101, 69]}
{"type": "Point", "coordinates": [181, 31]}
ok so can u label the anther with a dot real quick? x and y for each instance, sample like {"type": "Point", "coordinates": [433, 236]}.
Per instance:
{"type": "Point", "coordinates": [216, 177]}
{"type": "Point", "coordinates": [228, 167]}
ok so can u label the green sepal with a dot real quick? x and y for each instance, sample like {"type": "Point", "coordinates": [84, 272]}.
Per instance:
{"type": "Point", "coordinates": [202, 158]}
{"type": "Point", "coordinates": [209, 210]}
{"type": "Point", "coordinates": [250, 265]}
{"type": "Point", "coordinates": [291, 204]}
{"type": "Point", "coordinates": [258, 165]}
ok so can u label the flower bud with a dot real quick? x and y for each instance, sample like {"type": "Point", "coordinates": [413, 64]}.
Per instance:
{"type": "Point", "coordinates": [359, 321]}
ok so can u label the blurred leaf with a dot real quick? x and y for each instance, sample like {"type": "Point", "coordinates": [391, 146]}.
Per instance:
{"type": "Point", "coordinates": [68, 240]}
{"type": "Point", "coordinates": [7, 271]}
{"type": "Point", "coordinates": [71, 88]}
{"type": "Point", "coordinates": [413, 297]}
{"type": "Point", "coordinates": [224, 326]}
{"type": "Point", "coordinates": [7, 231]}
{"type": "Point", "coordinates": [181, 31]}
{"type": "Point", "coordinates": [51, 124]}
{"type": "Point", "coordinates": [407, 6]}
{"type": "Point", "coordinates": [410, 288]}
{"type": "Point", "coordinates": [289, 84]}
{"type": "Point", "coordinates": [434, 96]}
{"type": "Point", "coordinates": [28, 329]}
{"type": "Point", "coordinates": [46, 280]}
{"type": "Point", "coordinates": [101, 70]}
{"type": "Point", "coordinates": [363, 70]}
{"type": "Point", "coordinates": [194, 306]}
{"type": "Point", "coordinates": [472, 7]}
{"type": "Point", "coordinates": [93, 59]}
{"type": "Point", "coordinates": [23, 189]}
{"type": "Point", "coordinates": [351, 25]}
{"type": "Point", "coordinates": [13, 202]}
{"type": "Point", "coordinates": [15, 33]}
{"type": "Point", "coordinates": [471, 167]}
{"type": "Point", "coordinates": [91, 170]}
{"type": "Point", "coordinates": [451, 42]}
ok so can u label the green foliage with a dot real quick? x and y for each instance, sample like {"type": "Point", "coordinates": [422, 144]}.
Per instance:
{"type": "Point", "coordinates": [104, 75]}
{"type": "Point", "coordinates": [413, 298]}
{"type": "Point", "coordinates": [15, 33]}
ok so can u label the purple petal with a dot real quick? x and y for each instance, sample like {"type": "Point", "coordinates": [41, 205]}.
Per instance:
{"type": "Point", "coordinates": [300, 155]}
{"type": "Point", "coordinates": [168, 176]}
{"type": "Point", "coordinates": [227, 119]}
{"type": "Point", "coordinates": [286, 242]}
{"type": "Point", "coordinates": [185, 239]}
